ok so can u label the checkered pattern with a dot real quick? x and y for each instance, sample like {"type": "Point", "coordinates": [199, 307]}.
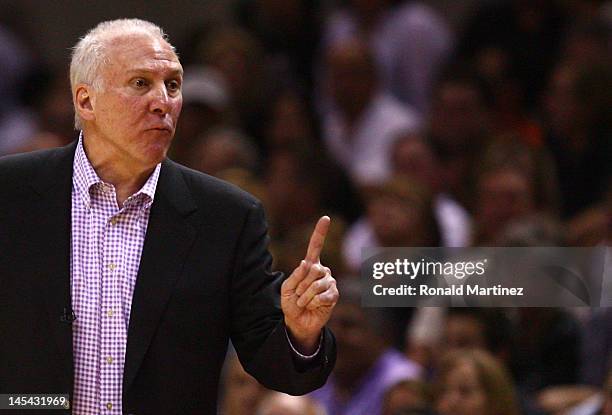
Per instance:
{"type": "Point", "coordinates": [107, 243]}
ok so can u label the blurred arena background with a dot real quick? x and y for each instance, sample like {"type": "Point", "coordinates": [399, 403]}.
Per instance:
{"type": "Point", "coordinates": [431, 123]}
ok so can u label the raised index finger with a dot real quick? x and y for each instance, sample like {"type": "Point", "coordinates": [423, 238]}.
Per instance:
{"type": "Point", "coordinates": [317, 239]}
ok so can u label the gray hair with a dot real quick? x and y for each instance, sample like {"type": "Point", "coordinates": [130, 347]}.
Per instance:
{"type": "Point", "coordinates": [89, 54]}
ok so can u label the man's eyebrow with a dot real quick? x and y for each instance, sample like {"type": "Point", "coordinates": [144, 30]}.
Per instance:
{"type": "Point", "coordinates": [177, 72]}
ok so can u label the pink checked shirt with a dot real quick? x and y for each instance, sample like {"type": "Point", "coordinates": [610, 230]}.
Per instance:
{"type": "Point", "coordinates": [107, 242]}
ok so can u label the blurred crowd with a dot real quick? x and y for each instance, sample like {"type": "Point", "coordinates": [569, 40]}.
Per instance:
{"type": "Point", "coordinates": [408, 131]}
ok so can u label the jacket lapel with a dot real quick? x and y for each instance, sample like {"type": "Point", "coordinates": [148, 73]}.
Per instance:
{"type": "Point", "coordinates": [52, 223]}
{"type": "Point", "coordinates": [170, 233]}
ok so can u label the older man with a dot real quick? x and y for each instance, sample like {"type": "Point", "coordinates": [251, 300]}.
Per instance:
{"type": "Point", "coordinates": [123, 274]}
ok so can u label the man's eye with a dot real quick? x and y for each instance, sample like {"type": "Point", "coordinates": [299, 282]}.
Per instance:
{"type": "Point", "coordinates": [139, 83]}
{"type": "Point", "coordinates": [174, 86]}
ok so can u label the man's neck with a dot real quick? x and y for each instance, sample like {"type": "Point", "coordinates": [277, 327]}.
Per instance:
{"type": "Point", "coordinates": [127, 178]}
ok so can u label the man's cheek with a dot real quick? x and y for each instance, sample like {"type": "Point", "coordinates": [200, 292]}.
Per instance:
{"type": "Point", "coordinates": [178, 108]}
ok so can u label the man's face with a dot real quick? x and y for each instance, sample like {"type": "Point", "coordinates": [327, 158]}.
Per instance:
{"type": "Point", "coordinates": [503, 196]}
{"type": "Point", "coordinates": [462, 393]}
{"type": "Point", "coordinates": [458, 115]}
{"type": "Point", "coordinates": [351, 77]}
{"type": "Point", "coordinates": [356, 341]}
{"type": "Point", "coordinates": [464, 332]}
{"type": "Point", "coordinates": [139, 102]}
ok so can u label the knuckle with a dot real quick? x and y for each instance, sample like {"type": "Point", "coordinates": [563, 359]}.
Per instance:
{"type": "Point", "coordinates": [315, 275]}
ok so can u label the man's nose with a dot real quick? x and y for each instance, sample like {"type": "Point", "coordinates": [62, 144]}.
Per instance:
{"type": "Point", "coordinates": [160, 102]}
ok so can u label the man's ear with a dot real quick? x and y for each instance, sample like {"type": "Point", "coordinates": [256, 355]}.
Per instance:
{"type": "Point", "coordinates": [83, 100]}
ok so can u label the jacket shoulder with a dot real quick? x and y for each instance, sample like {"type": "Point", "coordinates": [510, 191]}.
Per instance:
{"type": "Point", "coordinates": [206, 189]}
{"type": "Point", "coordinates": [19, 169]}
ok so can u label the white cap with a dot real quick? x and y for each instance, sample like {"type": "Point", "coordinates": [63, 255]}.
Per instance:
{"type": "Point", "coordinates": [205, 85]}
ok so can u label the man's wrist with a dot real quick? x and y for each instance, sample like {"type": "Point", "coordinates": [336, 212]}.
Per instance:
{"type": "Point", "coordinates": [305, 346]}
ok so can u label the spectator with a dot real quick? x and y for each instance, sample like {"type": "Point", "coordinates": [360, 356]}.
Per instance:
{"type": "Point", "coordinates": [508, 151]}
{"type": "Point", "coordinates": [297, 191]}
{"type": "Point", "coordinates": [532, 230]}
{"type": "Point", "coordinates": [290, 122]}
{"type": "Point", "coordinates": [238, 55]}
{"type": "Point", "coordinates": [241, 392]}
{"type": "Point", "coordinates": [17, 124]}
{"type": "Point", "coordinates": [503, 195]}
{"type": "Point", "coordinates": [412, 155]}
{"type": "Point", "coordinates": [459, 126]}
{"type": "Point", "coordinates": [399, 213]}
{"type": "Point", "coordinates": [514, 182]}
{"type": "Point", "coordinates": [409, 42]}
{"type": "Point", "coordinates": [478, 328]}
{"type": "Point", "coordinates": [578, 105]}
{"type": "Point", "coordinates": [579, 399]}
{"type": "Point", "coordinates": [524, 36]}
{"type": "Point", "coordinates": [221, 149]}
{"type": "Point", "coordinates": [596, 350]}
{"type": "Point", "coordinates": [205, 106]}
{"type": "Point", "coordinates": [408, 397]}
{"type": "Point", "coordinates": [460, 328]}
{"type": "Point", "coordinates": [48, 95]}
{"type": "Point", "coordinates": [289, 32]}
{"type": "Point", "coordinates": [367, 366]}
{"type": "Point", "coordinates": [547, 349]}
{"type": "Point", "coordinates": [473, 382]}
{"type": "Point", "coordinates": [359, 129]}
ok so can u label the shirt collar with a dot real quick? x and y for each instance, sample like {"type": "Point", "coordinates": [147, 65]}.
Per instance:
{"type": "Point", "coordinates": [85, 177]}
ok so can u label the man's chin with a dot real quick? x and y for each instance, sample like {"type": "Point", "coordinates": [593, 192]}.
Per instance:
{"type": "Point", "coordinates": [155, 155]}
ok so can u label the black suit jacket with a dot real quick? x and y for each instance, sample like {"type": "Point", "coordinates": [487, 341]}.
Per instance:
{"type": "Point", "coordinates": [204, 277]}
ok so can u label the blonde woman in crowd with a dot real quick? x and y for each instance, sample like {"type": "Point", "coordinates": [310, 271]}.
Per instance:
{"type": "Point", "coordinates": [473, 382]}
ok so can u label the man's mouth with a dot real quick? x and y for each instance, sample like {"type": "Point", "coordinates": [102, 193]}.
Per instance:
{"type": "Point", "coordinates": [167, 129]}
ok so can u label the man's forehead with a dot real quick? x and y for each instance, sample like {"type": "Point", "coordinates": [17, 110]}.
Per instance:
{"type": "Point", "coordinates": [132, 47]}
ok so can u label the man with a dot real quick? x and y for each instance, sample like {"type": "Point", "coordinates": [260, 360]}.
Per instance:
{"type": "Point", "coordinates": [362, 120]}
{"type": "Point", "coordinates": [123, 274]}
{"type": "Point", "coordinates": [368, 365]}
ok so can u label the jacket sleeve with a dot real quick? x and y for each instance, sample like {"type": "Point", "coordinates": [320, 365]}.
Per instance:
{"type": "Point", "coordinates": [257, 325]}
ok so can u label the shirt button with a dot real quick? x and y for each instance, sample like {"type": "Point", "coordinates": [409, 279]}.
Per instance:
{"type": "Point", "coordinates": [114, 220]}
{"type": "Point", "coordinates": [109, 406]}
{"type": "Point", "coordinates": [109, 359]}
{"type": "Point", "coordinates": [109, 313]}
{"type": "Point", "coordinates": [112, 266]}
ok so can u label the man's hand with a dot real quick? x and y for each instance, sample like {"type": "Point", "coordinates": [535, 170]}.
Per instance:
{"type": "Point", "coordinates": [309, 295]}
